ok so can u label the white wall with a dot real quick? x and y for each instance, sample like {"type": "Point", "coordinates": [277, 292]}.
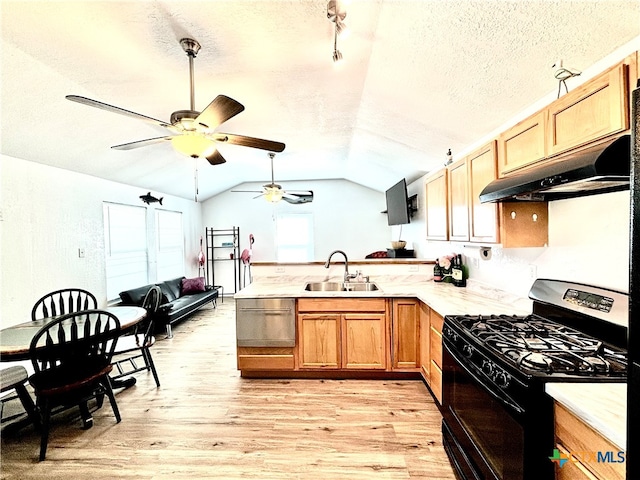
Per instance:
{"type": "Point", "coordinates": [347, 216]}
{"type": "Point", "coordinates": [47, 214]}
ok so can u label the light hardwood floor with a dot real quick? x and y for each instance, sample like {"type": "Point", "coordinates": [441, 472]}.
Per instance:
{"type": "Point", "coordinates": [207, 422]}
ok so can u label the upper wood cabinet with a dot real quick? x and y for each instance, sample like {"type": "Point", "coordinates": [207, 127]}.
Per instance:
{"type": "Point", "coordinates": [483, 217]}
{"type": "Point", "coordinates": [522, 144]}
{"type": "Point", "coordinates": [458, 201]}
{"type": "Point", "coordinates": [593, 110]}
{"type": "Point", "coordinates": [436, 206]}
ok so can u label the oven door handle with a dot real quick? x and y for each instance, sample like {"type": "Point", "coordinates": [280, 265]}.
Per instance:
{"type": "Point", "coordinates": [473, 375]}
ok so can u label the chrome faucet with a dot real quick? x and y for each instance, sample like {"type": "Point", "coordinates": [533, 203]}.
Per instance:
{"type": "Point", "coordinates": [347, 276]}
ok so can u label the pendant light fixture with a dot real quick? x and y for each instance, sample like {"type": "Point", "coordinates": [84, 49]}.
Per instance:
{"type": "Point", "coordinates": [337, 13]}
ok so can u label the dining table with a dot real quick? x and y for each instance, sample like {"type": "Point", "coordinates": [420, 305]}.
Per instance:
{"type": "Point", "coordinates": [15, 341]}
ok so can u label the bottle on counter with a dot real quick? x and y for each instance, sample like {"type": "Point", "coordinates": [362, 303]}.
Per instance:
{"type": "Point", "coordinates": [457, 272]}
{"type": "Point", "coordinates": [437, 272]}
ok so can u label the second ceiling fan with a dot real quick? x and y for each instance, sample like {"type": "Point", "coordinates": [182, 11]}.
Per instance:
{"type": "Point", "coordinates": [272, 192]}
{"type": "Point", "coordinates": [192, 132]}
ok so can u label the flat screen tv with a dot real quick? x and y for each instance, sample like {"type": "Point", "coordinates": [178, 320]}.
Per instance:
{"type": "Point", "coordinates": [398, 204]}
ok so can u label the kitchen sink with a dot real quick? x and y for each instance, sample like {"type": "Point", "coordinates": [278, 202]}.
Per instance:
{"type": "Point", "coordinates": [341, 287]}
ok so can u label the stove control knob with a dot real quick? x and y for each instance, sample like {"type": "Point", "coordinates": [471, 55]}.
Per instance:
{"type": "Point", "coordinates": [487, 367]}
{"type": "Point", "coordinates": [449, 333]}
{"type": "Point", "coordinates": [467, 351]}
{"type": "Point", "coordinates": [502, 379]}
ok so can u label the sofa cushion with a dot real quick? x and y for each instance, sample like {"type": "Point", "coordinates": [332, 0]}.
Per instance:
{"type": "Point", "coordinates": [192, 285]}
{"type": "Point", "coordinates": [170, 289]}
{"type": "Point", "coordinates": [135, 296]}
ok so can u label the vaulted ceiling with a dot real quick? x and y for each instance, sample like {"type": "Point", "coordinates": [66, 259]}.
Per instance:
{"type": "Point", "coordinates": [419, 77]}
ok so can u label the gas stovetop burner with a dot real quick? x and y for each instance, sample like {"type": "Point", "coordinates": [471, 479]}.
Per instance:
{"type": "Point", "coordinates": [539, 346]}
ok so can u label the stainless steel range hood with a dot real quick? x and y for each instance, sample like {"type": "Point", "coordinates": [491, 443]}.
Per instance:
{"type": "Point", "coordinates": [597, 169]}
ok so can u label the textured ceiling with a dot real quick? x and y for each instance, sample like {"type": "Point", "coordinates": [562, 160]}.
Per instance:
{"type": "Point", "coordinates": [419, 77]}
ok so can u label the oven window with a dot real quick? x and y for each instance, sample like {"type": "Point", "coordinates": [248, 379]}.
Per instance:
{"type": "Point", "coordinates": [494, 432]}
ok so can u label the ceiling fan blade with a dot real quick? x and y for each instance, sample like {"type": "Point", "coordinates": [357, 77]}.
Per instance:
{"type": "Point", "coordinates": [252, 142]}
{"type": "Point", "coordinates": [215, 158]}
{"type": "Point", "coordinates": [219, 111]}
{"type": "Point", "coordinates": [111, 108]}
{"type": "Point", "coordinates": [142, 143]}
{"type": "Point", "coordinates": [295, 199]}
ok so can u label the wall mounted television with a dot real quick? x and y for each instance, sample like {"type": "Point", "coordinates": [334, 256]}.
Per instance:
{"type": "Point", "coordinates": [398, 204]}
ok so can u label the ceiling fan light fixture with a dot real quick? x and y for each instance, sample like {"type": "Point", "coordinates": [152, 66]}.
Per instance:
{"type": "Point", "coordinates": [273, 194]}
{"type": "Point", "coordinates": [337, 56]}
{"type": "Point", "coordinates": [193, 145]}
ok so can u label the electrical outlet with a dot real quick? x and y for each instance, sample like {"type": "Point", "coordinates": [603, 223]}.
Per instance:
{"type": "Point", "coordinates": [279, 269]}
{"type": "Point", "coordinates": [413, 268]}
{"type": "Point", "coordinates": [475, 263]}
{"type": "Point", "coordinates": [533, 272]}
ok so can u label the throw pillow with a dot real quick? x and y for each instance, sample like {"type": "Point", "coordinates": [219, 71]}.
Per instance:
{"type": "Point", "coordinates": [192, 285]}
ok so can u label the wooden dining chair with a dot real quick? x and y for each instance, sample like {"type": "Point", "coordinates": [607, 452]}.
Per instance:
{"type": "Point", "coordinates": [71, 357]}
{"type": "Point", "coordinates": [15, 378]}
{"type": "Point", "coordinates": [60, 302]}
{"type": "Point", "coordinates": [132, 353]}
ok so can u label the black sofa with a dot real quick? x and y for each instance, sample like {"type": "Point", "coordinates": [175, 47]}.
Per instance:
{"type": "Point", "coordinates": [175, 305]}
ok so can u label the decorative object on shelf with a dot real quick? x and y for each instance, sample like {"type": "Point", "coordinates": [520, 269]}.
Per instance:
{"type": "Point", "coordinates": [562, 74]}
{"type": "Point", "coordinates": [449, 158]}
{"type": "Point", "coordinates": [192, 133]}
{"type": "Point", "coordinates": [149, 199]}
{"type": "Point", "coordinates": [400, 244]}
{"type": "Point", "coordinates": [273, 192]}
{"type": "Point", "coordinates": [336, 13]}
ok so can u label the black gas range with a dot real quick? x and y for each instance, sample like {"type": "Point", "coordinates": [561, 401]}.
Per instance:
{"type": "Point", "coordinates": [497, 418]}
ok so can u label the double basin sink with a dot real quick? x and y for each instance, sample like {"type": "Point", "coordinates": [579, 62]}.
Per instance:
{"type": "Point", "coordinates": [341, 287]}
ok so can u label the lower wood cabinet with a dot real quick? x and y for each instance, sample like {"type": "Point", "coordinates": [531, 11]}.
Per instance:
{"type": "Point", "coordinates": [435, 352]}
{"type": "Point", "coordinates": [346, 334]}
{"type": "Point", "coordinates": [405, 335]}
{"type": "Point", "coordinates": [265, 358]}
{"type": "Point", "coordinates": [579, 442]}
{"type": "Point", "coordinates": [425, 338]}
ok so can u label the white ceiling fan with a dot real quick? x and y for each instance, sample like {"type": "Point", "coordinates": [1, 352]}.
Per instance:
{"type": "Point", "coordinates": [272, 192]}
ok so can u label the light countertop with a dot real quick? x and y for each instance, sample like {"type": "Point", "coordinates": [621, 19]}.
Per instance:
{"type": "Point", "coordinates": [444, 298]}
{"type": "Point", "coordinates": [602, 406]}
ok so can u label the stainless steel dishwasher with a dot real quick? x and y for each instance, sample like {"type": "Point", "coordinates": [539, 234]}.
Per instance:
{"type": "Point", "coordinates": [266, 322]}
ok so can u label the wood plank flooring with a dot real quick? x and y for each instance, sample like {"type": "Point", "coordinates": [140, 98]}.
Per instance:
{"type": "Point", "coordinates": [207, 422]}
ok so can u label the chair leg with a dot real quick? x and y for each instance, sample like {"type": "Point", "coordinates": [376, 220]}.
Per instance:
{"type": "Point", "coordinates": [106, 383]}
{"type": "Point", "coordinates": [146, 353]}
{"type": "Point", "coordinates": [45, 416]}
{"type": "Point", "coordinates": [27, 403]}
{"type": "Point", "coordinates": [87, 418]}
{"type": "Point", "coordinates": [169, 332]}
